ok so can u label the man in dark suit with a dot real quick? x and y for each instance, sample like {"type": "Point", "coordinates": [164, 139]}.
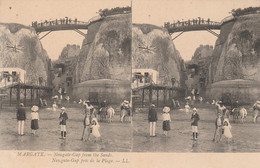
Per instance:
{"type": "Point", "coordinates": [152, 117]}
{"type": "Point", "coordinates": [21, 116]}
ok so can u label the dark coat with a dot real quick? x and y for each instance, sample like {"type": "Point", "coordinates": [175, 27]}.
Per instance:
{"type": "Point", "coordinates": [195, 119]}
{"type": "Point", "coordinates": [152, 115]}
{"type": "Point", "coordinates": [63, 118]}
{"type": "Point", "coordinates": [21, 114]}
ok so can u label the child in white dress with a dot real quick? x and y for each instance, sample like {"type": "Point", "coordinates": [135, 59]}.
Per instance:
{"type": "Point", "coordinates": [227, 132]}
{"type": "Point", "coordinates": [95, 128]}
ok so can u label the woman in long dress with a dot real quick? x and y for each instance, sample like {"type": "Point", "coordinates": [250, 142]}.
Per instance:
{"type": "Point", "coordinates": [35, 118]}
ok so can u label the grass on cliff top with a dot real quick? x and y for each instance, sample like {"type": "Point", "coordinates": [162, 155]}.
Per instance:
{"type": "Point", "coordinates": [147, 28]}
{"type": "Point", "coordinates": [15, 27]}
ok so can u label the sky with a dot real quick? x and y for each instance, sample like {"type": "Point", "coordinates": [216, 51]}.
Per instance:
{"type": "Point", "coordinates": [157, 12]}
{"type": "Point", "coordinates": [27, 11]}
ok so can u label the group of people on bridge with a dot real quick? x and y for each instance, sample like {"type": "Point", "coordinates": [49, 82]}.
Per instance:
{"type": "Point", "coordinates": [189, 22]}
{"type": "Point", "coordinates": [60, 21]}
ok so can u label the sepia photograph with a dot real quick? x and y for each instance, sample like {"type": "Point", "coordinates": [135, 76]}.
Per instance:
{"type": "Point", "coordinates": [195, 76]}
{"type": "Point", "coordinates": [129, 83]}
{"type": "Point", "coordinates": [65, 75]}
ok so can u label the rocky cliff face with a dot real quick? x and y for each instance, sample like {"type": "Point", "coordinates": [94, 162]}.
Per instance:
{"type": "Point", "coordinates": [69, 51]}
{"type": "Point", "coordinates": [237, 56]}
{"type": "Point", "coordinates": [21, 48]}
{"type": "Point", "coordinates": [153, 48]}
{"type": "Point", "coordinates": [198, 68]}
{"type": "Point", "coordinates": [106, 51]}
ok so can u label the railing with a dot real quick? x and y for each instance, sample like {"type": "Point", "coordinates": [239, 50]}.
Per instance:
{"type": "Point", "coordinates": [188, 23]}
{"type": "Point", "coordinates": [58, 22]}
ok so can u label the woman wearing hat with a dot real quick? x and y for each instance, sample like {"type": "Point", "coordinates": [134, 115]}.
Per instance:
{"type": "Point", "coordinates": [166, 120]}
{"type": "Point", "coordinates": [152, 118]}
{"type": "Point", "coordinates": [63, 118]}
{"type": "Point", "coordinates": [35, 118]}
{"type": "Point", "coordinates": [21, 117]}
{"type": "Point", "coordinates": [194, 123]}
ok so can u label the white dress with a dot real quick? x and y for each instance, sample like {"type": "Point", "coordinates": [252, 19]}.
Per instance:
{"type": "Point", "coordinates": [227, 132]}
{"type": "Point", "coordinates": [95, 131]}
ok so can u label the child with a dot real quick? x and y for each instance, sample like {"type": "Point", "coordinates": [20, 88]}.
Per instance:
{"type": "Point", "coordinates": [94, 128]}
{"type": "Point", "coordinates": [35, 118]}
{"type": "Point", "coordinates": [54, 106]}
{"type": "Point", "coordinates": [166, 120]}
{"type": "Point", "coordinates": [63, 118]}
{"type": "Point", "coordinates": [187, 108]}
{"type": "Point", "coordinates": [194, 123]}
{"type": "Point", "coordinates": [227, 132]}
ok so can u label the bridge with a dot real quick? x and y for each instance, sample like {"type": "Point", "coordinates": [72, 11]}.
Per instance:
{"type": "Point", "coordinates": [192, 25]}
{"type": "Point", "coordinates": [62, 24]}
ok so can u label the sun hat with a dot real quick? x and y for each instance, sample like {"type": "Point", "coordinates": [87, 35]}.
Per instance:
{"type": "Point", "coordinates": [63, 108]}
{"type": "Point", "coordinates": [35, 108]}
{"type": "Point", "coordinates": [258, 102]}
{"type": "Point", "coordinates": [125, 101]}
{"type": "Point", "coordinates": [194, 109]}
{"type": "Point", "coordinates": [166, 109]}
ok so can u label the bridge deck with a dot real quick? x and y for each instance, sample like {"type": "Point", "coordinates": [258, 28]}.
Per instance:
{"type": "Point", "coordinates": [192, 28]}
{"type": "Point", "coordinates": [61, 27]}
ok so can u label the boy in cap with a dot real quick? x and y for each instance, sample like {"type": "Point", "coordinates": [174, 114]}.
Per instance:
{"type": "Point", "coordinates": [63, 118]}
{"type": "Point", "coordinates": [194, 123]}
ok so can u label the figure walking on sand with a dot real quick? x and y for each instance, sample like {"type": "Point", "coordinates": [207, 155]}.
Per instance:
{"type": "Point", "coordinates": [21, 117]}
{"type": "Point", "coordinates": [166, 120]}
{"type": "Point", "coordinates": [35, 119]}
{"type": "Point", "coordinates": [218, 130]}
{"type": "Point", "coordinates": [227, 130]}
{"type": "Point", "coordinates": [88, 108]}
{"type": "Point", "coordinates": [152, 118]}
{"type": "Point", "coordinates": [63, 118]}
{"type": "Point", "coordinates": [95, 129]}
{"type": "Point", "coordinates": [194, 123]}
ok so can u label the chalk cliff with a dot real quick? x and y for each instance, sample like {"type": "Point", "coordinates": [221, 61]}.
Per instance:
{"type": "Point", "coordinates": [153, 48]}
{"type": "Point", "coordinates": [21, 48]}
